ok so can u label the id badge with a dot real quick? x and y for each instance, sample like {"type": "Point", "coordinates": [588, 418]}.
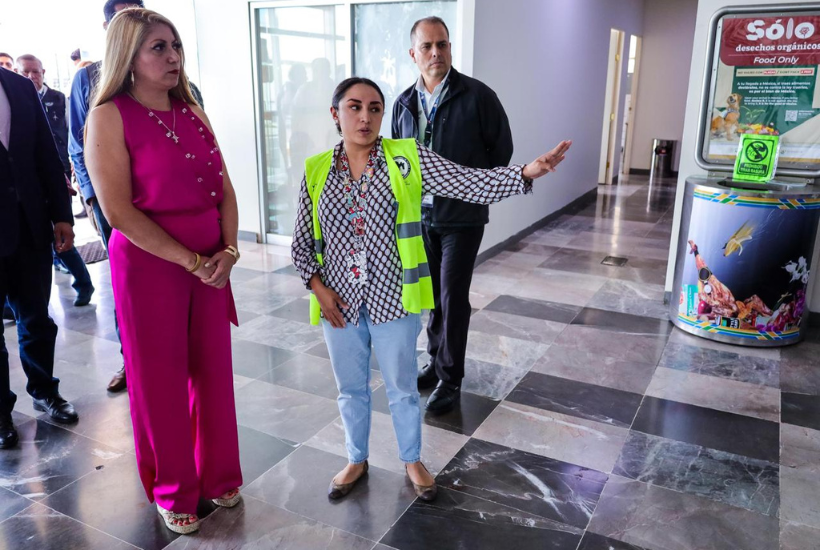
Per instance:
{"type": "Point", "coordinates": [427, 200]}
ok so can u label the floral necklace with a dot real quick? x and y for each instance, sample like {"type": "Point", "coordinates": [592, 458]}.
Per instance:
{"type": "Point", "coordinates": [355, 196]}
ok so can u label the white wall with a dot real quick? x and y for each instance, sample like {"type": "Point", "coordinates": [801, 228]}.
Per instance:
{"type": "Point", "coordinates": [226, 81]}
{"type": "Point", "coordinates": [688, 167]}
{"type": "Point", "coordinates": [666, 55]}
{"type": "Point", "coordinates": [547, 61]}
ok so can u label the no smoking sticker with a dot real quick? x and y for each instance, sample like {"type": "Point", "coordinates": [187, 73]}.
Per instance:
{"type": "Point", "coordinates": [756, 158]}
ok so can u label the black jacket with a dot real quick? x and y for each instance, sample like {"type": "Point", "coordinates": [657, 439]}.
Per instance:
{"type": "Point", "coordinates": [55, 107]}
{"type": "Point", "coordinates": [31, 173]}
{"type": "Point", "coordinates": [471, 128]}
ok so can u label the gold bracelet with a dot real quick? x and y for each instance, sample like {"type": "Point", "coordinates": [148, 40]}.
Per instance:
{"type": "Point", "coordinates": [233, 251]}
{"type": "Point", "coordinates": [197, 263]}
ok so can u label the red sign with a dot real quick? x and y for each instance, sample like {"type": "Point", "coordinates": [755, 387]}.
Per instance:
{"type": "Point", "coordinates": [771, 41]}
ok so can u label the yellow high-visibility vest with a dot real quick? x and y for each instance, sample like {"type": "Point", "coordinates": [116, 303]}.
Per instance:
{"type": "Point", "coordinates": [405, 179]}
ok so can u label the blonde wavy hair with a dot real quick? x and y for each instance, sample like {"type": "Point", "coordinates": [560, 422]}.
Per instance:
{"type": "Point", "coordinates": [126, 34]}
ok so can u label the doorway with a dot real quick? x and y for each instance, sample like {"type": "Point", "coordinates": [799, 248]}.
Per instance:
{"type": "Point", "coordinates": [609, 130]}
{"type": "Point", "coordinates": [633, 69]}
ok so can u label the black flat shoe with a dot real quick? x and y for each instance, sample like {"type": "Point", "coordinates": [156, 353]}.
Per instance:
{"type": "Point", "coordinates": [336, 491]}
{"type": "Point", "coordinates": [427, 377]}
{"type": "Point", "coordinates": [427, 493]}
{"type": "Point", "coordinates": [57, 408]}
{"type": "Point", "coordinates": [444, 398]}
{"type": "Point", "coordinates": [8, 433]}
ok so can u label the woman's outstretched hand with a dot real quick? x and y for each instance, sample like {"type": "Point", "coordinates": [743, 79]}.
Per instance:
{"type": "Point", "coordinates": [548, 162]}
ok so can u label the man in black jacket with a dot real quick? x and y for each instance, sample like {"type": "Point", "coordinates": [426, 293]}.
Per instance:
{"type": "Point", "coordinates": [461, 119]}
{"type": "Point", "coordinates": [34, 213]}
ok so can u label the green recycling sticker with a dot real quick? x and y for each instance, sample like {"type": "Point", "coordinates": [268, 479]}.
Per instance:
{"type": "Point", "coordinates": [756, 158]}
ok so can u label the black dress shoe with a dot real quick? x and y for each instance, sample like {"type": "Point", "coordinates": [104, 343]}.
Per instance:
{"type": "Point", "coordinates": [84, 297]}
{"type": "Point", "coordinates": [8, 433]}
{"type": "Point", "coordinates": [427, 377]}
{"type": "Point", "coordinates": [57, 408]}
{"type": "Point", "coordinates": [337, 491]}
{"type": "Point", "coordinates": [118, 382]}
{"type": "Point", "coordinates": [444, 397]}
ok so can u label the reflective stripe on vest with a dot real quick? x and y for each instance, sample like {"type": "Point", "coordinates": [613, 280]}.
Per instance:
{"type": "Point", "coordinates": [406, 183]}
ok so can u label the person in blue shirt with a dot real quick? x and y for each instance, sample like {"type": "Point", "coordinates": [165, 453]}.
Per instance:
{"type": "Point", "coordinates": [81, 89]}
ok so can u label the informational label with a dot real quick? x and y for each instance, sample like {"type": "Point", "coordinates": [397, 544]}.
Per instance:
{"type": "Point", "coordinates": [765, 84]}
{"type": "Point", "coordinates": [756, 158]}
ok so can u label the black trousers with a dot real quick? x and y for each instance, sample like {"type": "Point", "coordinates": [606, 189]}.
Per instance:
{"type": "Point", "coordinates": [451, 254]}
{"type": "Point", "coordinates": [25, 280]}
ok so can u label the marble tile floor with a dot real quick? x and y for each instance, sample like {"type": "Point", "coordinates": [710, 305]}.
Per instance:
{"type": "Point", "coordinates": [587, 421]}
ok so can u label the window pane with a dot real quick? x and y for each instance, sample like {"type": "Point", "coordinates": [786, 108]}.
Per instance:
{"type": "Point", "coordinates": [382, 41]}
{"type": "Point", "coordinates": [301, 56]}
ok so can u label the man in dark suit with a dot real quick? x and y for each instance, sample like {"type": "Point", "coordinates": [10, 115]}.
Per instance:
{"type": "Point", "coordinates": [462, 120]}
{"type": "Point", "coordinates": [55, 106]}
{"type": "Point", "coordinates": [35, 213]}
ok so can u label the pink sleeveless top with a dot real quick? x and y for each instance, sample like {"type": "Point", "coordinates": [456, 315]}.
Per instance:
{"type": "Point", "coordinates": [176, 184]}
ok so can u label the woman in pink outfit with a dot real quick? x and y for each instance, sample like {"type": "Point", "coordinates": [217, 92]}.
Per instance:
{"type": "Point", "coordinates": [159, 176]}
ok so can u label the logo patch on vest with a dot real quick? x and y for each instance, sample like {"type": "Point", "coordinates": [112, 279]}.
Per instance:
{"type": "Point", "coordinates": [404, 166]}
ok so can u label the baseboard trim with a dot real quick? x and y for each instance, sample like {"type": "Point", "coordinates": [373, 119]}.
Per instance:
{"type": "Point", "coordinates": [642, 172]}
{"type": "Point", "coordinates": [575, 206]}
{"type": "Point", "coordinates": [248, 236]}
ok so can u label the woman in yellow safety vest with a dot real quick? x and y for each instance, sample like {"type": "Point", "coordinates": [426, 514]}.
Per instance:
{"type": "Point", "coordinates": [358, 247]}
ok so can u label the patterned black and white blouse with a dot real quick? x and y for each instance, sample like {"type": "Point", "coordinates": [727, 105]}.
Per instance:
{"type": "Point", "coordinates": [381, 292]}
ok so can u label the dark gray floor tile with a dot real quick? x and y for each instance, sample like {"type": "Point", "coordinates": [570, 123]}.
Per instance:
{"type": "Point", "coordinates": [113, 501]}
{"type": "Point", "coordinates": [256, 525]}
{"type": "Point", "coordinates": [622, 322]}
{"type": "Point", "coordinates": [652, 517]}
{"type": "Point", "coordinates": [537, 309]}
{"type": "Point", "coordinates": [457, 520]}
{"type": "Point", "coordinates": [732, 433]}
{"type": "Point", "coordinates": [253, 360]}
{"type": "Point", "coordinates": [299, 484]}
{"type": "Point", "coordinates": [464, 419]}
{"type": "Point", "coordinates": [259, 452]}
{"type": "Point", "coordinates": [800, 410]}
{"type": "Point", "coordinates": [49, 458]}
{"type": "Point", "coordinates": [592, 541]}
{"type": "Point", "coordinates": [735, 480]}
{"type": "Point", "coordinates": [294, 311]}
{"type": "Point", "coordinates": [588, 401]}
{"type": "Point", "coordinates": [721, 364]}
{"type": "Point", "coordinates": [12, 503]}
{"type": "Point", "coordinates": [40, 528]}
{"type": "Point", "coordinates": [305, 373]}
{"type": "Point", "coordinates": [542, 486]}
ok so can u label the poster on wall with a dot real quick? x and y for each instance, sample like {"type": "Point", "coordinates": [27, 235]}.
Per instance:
{"type": "Point", "coordinates": [747, 267]}
{"type": "Point", "coordinates": [766, 83]}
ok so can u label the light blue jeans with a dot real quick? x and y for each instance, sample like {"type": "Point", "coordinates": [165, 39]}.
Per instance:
{"type": "Point", "coordinates": [394, 343]}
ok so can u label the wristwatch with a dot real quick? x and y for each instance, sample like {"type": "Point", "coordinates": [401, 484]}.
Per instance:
{"type": "Point", "coordinates": [233, 251]}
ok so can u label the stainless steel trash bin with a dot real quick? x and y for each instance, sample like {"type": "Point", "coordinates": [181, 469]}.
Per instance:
{"type": "Point", "coordinates": [663, 153]}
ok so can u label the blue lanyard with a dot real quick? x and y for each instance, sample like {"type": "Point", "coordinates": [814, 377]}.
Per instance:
{"type": "Point", "coordinates": [428, 131]}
